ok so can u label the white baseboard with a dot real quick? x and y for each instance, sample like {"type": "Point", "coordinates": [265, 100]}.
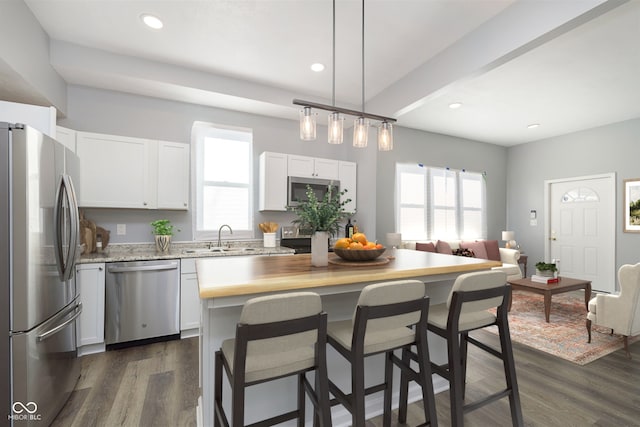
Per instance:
{"type": "Point", "coordinates": [91, 349]}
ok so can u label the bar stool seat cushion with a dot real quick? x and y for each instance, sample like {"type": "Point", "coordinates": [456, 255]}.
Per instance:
{"type": "Point", "coordinates": [374, 341]}
{"type": "Point", "coordinates": [272, 364]}
{"type": "Point", "coordinates": [439, 314]}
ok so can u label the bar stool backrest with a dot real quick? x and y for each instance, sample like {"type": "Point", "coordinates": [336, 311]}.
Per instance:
{"type": "Point", "coordinates": [391, 293]}
{"type": "Point", "coordinates": [276, 308]}
{"type": "Point", "coordinates": [475, 282]}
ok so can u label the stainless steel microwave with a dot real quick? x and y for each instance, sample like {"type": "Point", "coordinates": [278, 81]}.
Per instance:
{"type": "Point", "coordinates": [297, 188]}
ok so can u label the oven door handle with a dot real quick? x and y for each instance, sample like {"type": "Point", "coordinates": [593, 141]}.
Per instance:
{"type": "Point", "coordinates": [51, 332]}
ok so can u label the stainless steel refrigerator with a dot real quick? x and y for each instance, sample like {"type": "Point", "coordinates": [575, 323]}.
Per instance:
{"type": "Point", "coordinates": [39, 301]}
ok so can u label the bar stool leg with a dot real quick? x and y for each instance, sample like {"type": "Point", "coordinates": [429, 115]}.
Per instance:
{"type": "Point", "coordinates": [456, 379]}
{"type": "Point", "coordinates": [217, 388]}
{"type": "Point", "coordinates": [404, 389]}
{"type": "Point", "coordinates": [428, 396]}
{"type": "Point", "coordinates": [510, 375]}
{"type": "Point", "coordinates": [463, 360]}
{"type": "Point", "coordinates": [357, 392]}
{"type": "Point", "coordinates": [388, 384]}
{"type": "Point", "coordinates": [301, 401]}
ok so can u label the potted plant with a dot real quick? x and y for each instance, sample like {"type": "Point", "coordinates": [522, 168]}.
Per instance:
{"type": "Point", "coordinates": [546, 269]}
{"type": "Point", "coordinates": [322, 218]}
{"type": "Point", "coordinates": [162, 230]}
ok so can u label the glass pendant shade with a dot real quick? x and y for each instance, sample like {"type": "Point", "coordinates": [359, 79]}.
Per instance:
{"type": "Point", "coordinates": [385, 137]}
{"type": "Point", "coordinates": [336, 128]}
{"type": "Point", "coordinates": [307, 124]}
{"type": "Point", "coordinates": [360, 132]}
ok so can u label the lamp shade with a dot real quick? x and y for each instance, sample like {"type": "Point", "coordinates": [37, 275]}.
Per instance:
{"type": "Point", "coordinates": [307, 124]}
{"type": "Point", "coordinates": [385, 136]}
{"type": "Point", "coordinates": [360, 132]}
{"type": "Point", "coordinates": [336, 128]}
{"type": "Point", "coordinates": [394, 239]}
{"type": "Point", "coordinates": [508, 235]}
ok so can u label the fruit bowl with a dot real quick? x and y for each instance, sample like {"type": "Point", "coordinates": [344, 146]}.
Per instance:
{"type": "Point", "coordinates": [359, 254]}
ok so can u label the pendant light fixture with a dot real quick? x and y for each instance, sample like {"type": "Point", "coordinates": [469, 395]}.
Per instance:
{"type": "Point", "coordinates": [336, 115]}
{"type": "Point", "coordinates": [361, 124]}
{"type": "Point", "coordinates": [336, 120]}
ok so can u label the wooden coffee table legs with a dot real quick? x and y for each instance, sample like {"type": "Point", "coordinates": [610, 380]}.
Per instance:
{"type": "Point", "coordinates": [565, 285]}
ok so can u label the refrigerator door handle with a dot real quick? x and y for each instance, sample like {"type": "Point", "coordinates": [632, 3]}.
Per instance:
{"type": "Point", "coordinates": [43, 336]}
{"type": "Point", "coordinates": [66, 193]}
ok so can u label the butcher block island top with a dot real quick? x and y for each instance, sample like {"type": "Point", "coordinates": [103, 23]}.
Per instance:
{"type": "Point", "coordinates": [232, 276]}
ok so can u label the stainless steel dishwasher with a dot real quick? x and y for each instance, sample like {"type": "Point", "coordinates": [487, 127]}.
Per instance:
{"type": "Point", "coordinates": [142, 300]}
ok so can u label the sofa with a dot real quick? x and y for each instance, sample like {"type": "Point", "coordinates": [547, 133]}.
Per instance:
{"type": "Point", "coordinates": [485, 249]}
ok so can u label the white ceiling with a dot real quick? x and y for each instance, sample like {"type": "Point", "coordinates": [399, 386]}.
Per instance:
{"type": "Point", "coordinates": [567, 65]}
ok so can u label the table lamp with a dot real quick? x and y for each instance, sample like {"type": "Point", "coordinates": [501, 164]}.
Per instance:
{"type": "Point", "coordinates": [394, 240]}
{"type": "Point", "coordinates": [509, 237]}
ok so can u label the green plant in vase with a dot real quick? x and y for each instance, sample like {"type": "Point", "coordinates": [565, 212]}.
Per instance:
{"type": "Point", "coordinates": [546, 269]}
{"type": "Point", "coordinates": [162, 230]}
{"type": "Point", "coordinates": [322, 218]}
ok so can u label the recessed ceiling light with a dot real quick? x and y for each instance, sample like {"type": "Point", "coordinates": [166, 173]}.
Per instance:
{"type": "Point", "coordinates": [455, 105]}
{"type": "Point", "coordinates": [151, 21]}
{"type": "Point", "coordinates": [533, 125]}
{"type": "Point", "coordinates": [317, 67]}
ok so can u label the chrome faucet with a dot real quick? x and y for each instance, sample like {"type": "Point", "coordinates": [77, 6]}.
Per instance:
{"type": "Point", "coordinates": [220, 230]}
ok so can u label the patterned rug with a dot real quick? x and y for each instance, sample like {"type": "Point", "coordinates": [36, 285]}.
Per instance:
{"type": "Point", "coordinates": [565, 335]}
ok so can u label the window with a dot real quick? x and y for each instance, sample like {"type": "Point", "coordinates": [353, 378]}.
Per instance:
{"type": "Point", "coordinates": [437, 203]}
{"type": "Point", "coordinates": [222, 180]}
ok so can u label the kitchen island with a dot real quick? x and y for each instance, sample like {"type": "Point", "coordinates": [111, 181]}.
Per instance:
{"type": "Point", "coordinates": [226, 283]}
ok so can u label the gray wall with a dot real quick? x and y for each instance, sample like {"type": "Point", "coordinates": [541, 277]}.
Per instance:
{"type": "Point", "coordinates": [605, 149]}
{"type": "Point", "coordinates": [412, 146]}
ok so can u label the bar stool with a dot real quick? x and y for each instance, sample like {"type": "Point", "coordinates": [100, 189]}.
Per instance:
{"type": "Point", "coordinates": [381, 323]}
{"type": "Point", "coordinates": [466, 310]}
{"type": "Point", "coordinates": [277, 336]}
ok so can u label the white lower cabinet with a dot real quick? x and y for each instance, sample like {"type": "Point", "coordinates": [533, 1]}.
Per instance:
{"type": "Point", "coordinates": [90, 324]}
{"type": "Point", "coordinates": [189, 299]}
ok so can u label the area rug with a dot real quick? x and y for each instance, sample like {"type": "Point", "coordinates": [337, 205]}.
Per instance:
{"type": "Point", "coordinates": [565, 335]}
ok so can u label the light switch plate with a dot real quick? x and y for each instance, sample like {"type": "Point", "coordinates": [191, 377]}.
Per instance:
{"type": "Point", "coordinates": [121, 229]}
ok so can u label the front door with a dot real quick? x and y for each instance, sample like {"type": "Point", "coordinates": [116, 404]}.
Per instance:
{"type": "Point", "coordinates": [581, 233]}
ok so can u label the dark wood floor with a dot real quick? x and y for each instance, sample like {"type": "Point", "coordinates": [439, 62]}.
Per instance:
{"type": "Point", "coordinates": [157, 385]}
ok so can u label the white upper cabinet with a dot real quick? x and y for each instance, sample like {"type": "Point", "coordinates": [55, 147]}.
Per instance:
{"type": "Point", "coordinates": [304, 166]}
{"type": "Point", "coordinates": [348, 179]}
{"type": "Point", "coordinates": [124, 172]}
{"type": "Point", "coordinates": [275, 168]}
{"type": "Point", "coordinates": [173, 175]}
{"type": "Point", "coordinates": [67, 137]}
{"type": "Point", "coordinates": [273, 182]}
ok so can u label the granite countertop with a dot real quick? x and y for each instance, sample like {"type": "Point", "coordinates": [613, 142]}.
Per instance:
{"type": "Point", "coordinates": [147, 251]}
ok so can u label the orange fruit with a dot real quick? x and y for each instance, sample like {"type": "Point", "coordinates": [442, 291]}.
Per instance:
{"type": "Point", "coordinates": [379, 246]}
{"type": "Point", "coordinates": [355, 245]}
{"type": "Point", "coordinates": [342, 243]}
{"type": "Point", "coordinates": [370, 245]}
{"type": "Point", "coordinates": [360, 238]}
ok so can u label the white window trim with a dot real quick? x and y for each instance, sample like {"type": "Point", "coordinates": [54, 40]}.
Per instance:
{"type": "Point", "coordinates": [200, 130]}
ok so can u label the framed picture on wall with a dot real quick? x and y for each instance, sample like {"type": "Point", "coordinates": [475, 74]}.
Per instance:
{"type": "Point", "coordinates": [632, 205]}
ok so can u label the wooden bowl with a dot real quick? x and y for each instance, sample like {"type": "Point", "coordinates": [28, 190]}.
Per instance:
{"type": "Point", "coordinates": [359, 254]}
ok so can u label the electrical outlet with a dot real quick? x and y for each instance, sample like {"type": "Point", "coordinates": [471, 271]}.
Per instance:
{"type": "Point", "coordinates": [121, 229]}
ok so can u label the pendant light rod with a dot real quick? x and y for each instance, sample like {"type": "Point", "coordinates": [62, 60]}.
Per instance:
{"type": "Point", "coordinates": [343, 110]}
{"type": "Point", "coordinates": [362, 55]}
{"type": "Point", "coordinates": [333, 88]}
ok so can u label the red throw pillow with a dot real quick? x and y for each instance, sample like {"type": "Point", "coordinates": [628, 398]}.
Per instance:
{"type": "Point", "coordinates": [427, 247]}
{"type": "Point", "coordinates": [443, 247]}
{"type": "Point", "coordinates": [493, 251]}
{"type": "Point", "coordinates": [477, 248]}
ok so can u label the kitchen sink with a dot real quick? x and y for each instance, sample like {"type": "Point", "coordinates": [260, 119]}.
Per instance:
{"type": "Point", "coordinates": [219, 250]}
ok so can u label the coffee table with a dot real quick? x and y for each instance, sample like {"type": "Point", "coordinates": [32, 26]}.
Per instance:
{"type": "Point", "coordinates": [565, 284]}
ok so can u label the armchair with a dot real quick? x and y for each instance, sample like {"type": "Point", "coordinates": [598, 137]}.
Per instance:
{"type": "Point", "coordinates": [620, 312]}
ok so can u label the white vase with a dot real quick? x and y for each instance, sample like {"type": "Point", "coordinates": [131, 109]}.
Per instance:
{"type": "Point", "coordinates": [320, 249]}
{"type": "Point", "coordinates": [163, 243]}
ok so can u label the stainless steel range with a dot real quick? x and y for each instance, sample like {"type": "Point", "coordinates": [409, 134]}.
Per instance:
{"type": "Point", "coordinates": [297, 239]}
